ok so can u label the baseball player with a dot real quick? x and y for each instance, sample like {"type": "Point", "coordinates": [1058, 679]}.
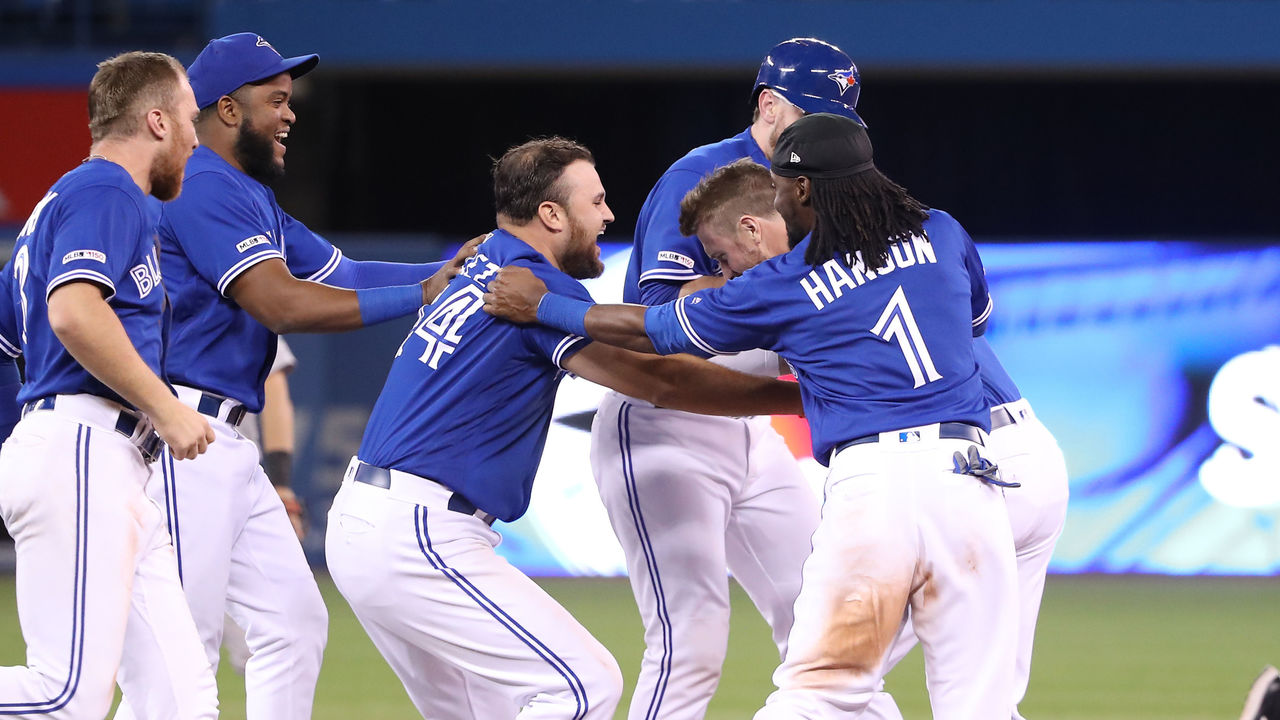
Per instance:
{"type": "Point", "coordinates": [453, 444]}
{"type": "Point", "coordinates": [733, 216]}
{"type": "Point", "coordinates": [238, 271]}
{"type": "Point", "coordinates": [98, 593]}
{"type": "Point", "coordinates": [875, 313]}
{"type": "Point", "coordinates": [275, 423]}
{"type": "Point", "coordinates": [688, 494]}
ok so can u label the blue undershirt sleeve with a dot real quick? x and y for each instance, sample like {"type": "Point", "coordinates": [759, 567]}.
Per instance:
{"type": "Point", "coordinates": [360, 274]}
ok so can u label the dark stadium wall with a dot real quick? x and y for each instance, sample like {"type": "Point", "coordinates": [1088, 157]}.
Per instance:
{"type": "Point", "coordinates": [1012, 156]}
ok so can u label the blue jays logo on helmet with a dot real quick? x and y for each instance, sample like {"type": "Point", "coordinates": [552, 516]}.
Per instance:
{"type": "Point", "coordinates": [813, 75]}
{"type": "Point", "coordinates": [845, 79]}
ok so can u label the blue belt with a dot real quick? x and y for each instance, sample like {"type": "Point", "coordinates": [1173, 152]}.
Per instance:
{"type": "Point", "coordinates": [946, 431]}
{"type": "Point", "coordinates": [149, 444]}
{"type": "Point", "coordinates": [381, 478]}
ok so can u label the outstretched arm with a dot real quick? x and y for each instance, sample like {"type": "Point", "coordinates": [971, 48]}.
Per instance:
{"type": "Point", "coordinates": [517, 295]}
{"type": "Point", "coordinates": [681, 382]}
{"type": "Point", "coordinates": [285, 304]}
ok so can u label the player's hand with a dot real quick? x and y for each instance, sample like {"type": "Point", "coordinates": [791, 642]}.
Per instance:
{"type": "Point", "coordinates": [294, 508]}
{"type": "Point", "coordinates": [514, 294]}
{"type": "Point", "coordinates": [185, 431]}
{"type": "Point", "coordinates": [434, 285]}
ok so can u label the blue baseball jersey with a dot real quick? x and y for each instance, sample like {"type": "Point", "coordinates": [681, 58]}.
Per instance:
{"type": "Point", "coordinates": [10, 349]}
{"type": "Point", "coordinates": [222, 224]}
{"type": "Point", "coordinates": [10, 330]}
{"type": "Point", "coordinates": [94, 225]}
{"type": "Point", "coordinates": [468, 399]}
{"type": "Point", "coordinates": [997, 384]}
{"type": "Point", "coordinates": [662, 259]}
{"type": "Point", "coordinates": [873, 350]}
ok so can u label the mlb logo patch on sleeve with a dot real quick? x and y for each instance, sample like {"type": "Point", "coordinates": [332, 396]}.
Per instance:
{"type": "Point", "coordinates": [84, 255]}
{"type": "Point", "coordinates": [251, 242]}
{"type": "Point", "coordinates": [676, 257]}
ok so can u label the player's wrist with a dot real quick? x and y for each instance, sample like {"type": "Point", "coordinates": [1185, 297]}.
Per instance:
{"type": "Point", "coordinates": [564, 313]}
{"type": "Point", "coordinates": [278, 465]}
{"type": "Point", "coordinates": [387, 303]}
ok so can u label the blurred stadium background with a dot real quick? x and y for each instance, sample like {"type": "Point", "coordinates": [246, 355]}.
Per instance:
{"type": "Point", "coordinates": [1114, 159]}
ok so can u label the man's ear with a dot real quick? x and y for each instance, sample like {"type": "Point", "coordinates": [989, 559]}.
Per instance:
{"type": "Point", "coordinates": [552, 216]}
{"type": "Point", "coordinates": [157, 123]}
{"type": "Point", "coordinates": [750, 226]}
{"type": "Point", "coordinates": [804, 191]}
{"type": "Point", "coordinates": [228, 111]}
{"type": "Point", "coordinates": [767, 105]}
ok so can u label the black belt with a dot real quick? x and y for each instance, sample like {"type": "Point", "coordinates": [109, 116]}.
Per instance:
{"type": "Point", "coordinates": [127, 423]}
{"type": "Point", "coordinates": [946, 431]}
{"type": "Point", "coordinates": [211, 405]}
{"type": "Point", "coordinates": [381, 478]}
{"type": "Point", "coordinates": [1001, 417]}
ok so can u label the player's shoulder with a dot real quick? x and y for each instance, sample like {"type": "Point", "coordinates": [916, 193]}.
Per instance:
{"type": "Point", "coordinates": [99, 187]}
{"type": "Point", "coordinates": [943, 229]}
{"type": "Point", "coordinates": [503, 248]}
{"type": "Point", "coordinates": [705, 159]}
{"type": "Point", "coordinates": [208, 176]}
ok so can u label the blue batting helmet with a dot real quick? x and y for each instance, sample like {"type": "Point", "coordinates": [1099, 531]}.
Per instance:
{"type": "Point", "coordinates": [813, 75]}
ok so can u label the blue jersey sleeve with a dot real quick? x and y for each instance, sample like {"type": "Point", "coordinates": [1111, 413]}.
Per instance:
{"type": "Point", "coordinates": [717, 321]}
{"type": "Point", "coordinates": [308, 255]}
{"type": "Point", "coordinates": [221, 233]}
{"type": "Point", "coordinates": [668, 257]}
{"type": "Point", "coordinates": [311, 257]}
{"type": "Point", "coordinates": [10, 408]}
{"type": "Point", "coordinates": [980, 297]}
{"type": "Point", "coordinates": [10, 331]}
{"type": "Point", "coordinates": [552, 344]}
{"type": "Point", "coordinates": [87, 243]}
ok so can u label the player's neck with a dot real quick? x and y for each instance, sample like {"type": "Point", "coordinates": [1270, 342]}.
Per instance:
{"type": "Point", "coordinates": [220, 142]}
{"type": "Point", "coordinates": [127, 154]}
{"type": "Point", "coordinates": [760, 132]}
{"type": "Point", "coordinates": [533, 235]}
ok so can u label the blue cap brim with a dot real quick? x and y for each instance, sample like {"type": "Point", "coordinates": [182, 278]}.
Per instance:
{"type": "Point", "coordinates": [297, 66]}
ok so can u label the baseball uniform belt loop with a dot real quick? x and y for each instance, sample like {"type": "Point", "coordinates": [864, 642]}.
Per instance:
{"type": "Point", "coordinates": [1010, 413]}
{"type": "Point", "coordinates": [381, 478]}
{"type": "Point", "coordinates": [214, 406]}
{"type": "Point", "coordinates": [129, 423]}
{"type": "Point", "coordinates": [946, 431]}
{"type": "Point", "coordinates": [217, 407]}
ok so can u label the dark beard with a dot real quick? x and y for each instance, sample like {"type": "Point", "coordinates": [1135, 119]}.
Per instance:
{"type": "Point", "coordinates": [256, 154]}
{"type": "Point", "coordinates": [579, 260]}
{"type": "Point", "coordinates": [582, 264]}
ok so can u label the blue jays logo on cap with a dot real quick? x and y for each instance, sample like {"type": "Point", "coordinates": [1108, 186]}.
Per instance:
{"type": "Point", "coordinates": [845, 79]}
{"type": "Point", "coordinates": [229, 62]}
{"type": "Point", "coordinates": [264, 43]}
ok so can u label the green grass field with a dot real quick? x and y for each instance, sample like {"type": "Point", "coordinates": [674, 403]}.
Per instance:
{"type": "Point", "coordinates": [1108, 647]}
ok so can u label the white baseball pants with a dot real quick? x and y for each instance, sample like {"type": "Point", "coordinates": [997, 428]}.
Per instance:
{"type": "Point", "coordinates": [469, 635]}
{"type": "Point", "coordinates": [689, 496]}
{"type": "Point", "coordinates": [900, 529]}
{"type": "Point", "coordinates": [1026, 453]}
{"type": "Point", "coordinates": [238, 555]}
{"type": "Point", "coordinates": [97, 580]}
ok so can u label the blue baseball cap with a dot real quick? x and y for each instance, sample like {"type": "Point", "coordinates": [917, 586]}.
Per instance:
{"type": "Point", "coordinates": [229, 62]}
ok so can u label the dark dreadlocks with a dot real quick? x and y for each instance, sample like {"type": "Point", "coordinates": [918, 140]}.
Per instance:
{"type": "Point", "coordinates": [861, 213]}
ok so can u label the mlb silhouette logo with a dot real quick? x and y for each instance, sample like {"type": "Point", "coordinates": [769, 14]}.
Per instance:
{"type": "Point", "coordinates": [909, 436]}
